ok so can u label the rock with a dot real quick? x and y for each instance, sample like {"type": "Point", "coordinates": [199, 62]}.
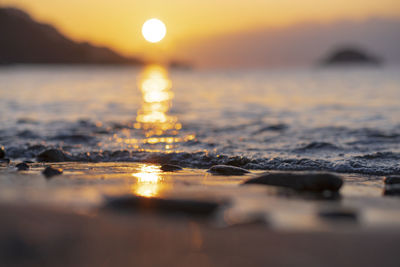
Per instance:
{"type": "Point", "coordinates": [50, 172]}
{"type": "Point", "coordinates": [2, 153]}
{"type": "Point", "coordinates": [338, 214]}
{"type": "Point", "coordinates": [227, 170]}
{"type": "Point", "coordinates": [180, 206]}
{"type": "Point", "coordinates": [22, 166]}
{"type": "Point", "coordinates": [170, 167]}
{"type": "Point", "coordinates": [311, 181]}
{"type": "Point", "coordinates": [52, 155]}
{"type": "Point", "coordinates": [392, 190]}
{"type": "Point", "coordinates": [6, 161]}
{"type": "Point", "coordinates": [392, 179]}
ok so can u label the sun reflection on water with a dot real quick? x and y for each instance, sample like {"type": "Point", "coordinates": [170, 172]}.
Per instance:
{"type": "Point", "coordinates": [153, 117]}
{"type": "Point", "coordinates": [148, 181]}
{"type": "Point", "coordinates": [160, 131]}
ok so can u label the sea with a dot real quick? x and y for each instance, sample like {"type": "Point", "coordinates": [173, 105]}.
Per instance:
{"type": "Point", "coordinates": [344, 120]}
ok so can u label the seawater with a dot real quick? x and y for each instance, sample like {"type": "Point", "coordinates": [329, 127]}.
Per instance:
{"type": "Point", "coordinates": [336, 119]}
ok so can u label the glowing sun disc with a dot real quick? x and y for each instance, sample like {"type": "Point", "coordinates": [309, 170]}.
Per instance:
{"type": "Point", "coordinates": [154, 30]}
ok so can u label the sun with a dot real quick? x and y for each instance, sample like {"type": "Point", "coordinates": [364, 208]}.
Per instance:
{"type": "Point", "coordinates": [154, 30]}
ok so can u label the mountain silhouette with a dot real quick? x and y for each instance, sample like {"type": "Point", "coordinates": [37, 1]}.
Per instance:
{"type": "Point", "coordinates": [350, 56]}
{"type": "Point", "coordinates": [26, 41]}
{"type": "Point", "coordinates": [298, 44]}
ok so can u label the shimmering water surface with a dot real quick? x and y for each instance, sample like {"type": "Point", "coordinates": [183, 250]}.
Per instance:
{"type": "Point", "coordinates": [116, 125]}
{"type": "Point", "coordinates": [343, 120]}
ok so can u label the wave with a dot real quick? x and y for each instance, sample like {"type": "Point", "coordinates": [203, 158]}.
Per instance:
{"type": "Point", "coordinates": [359, 164]}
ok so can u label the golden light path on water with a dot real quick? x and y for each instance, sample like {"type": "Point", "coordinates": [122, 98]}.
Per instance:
{"type": "Point", "coordinates": [148, 181]}
{"type": "Point", "coordinates": [159, 128]}
{"type": "Point", "coordinates": [153, 118]}
{"type": "Point", "coordinates": [157, 125]}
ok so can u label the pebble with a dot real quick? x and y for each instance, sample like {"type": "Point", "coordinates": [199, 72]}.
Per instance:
{"type": "Point", "coordinates": [50, 172]}
{"type": "Point", "coordinates": [312, 181]}
{"type": "Point", "coordinates": [22, 166]}
{"type": "Point", "coordinates": [175, 206]}
{"type": "Point", "coordinates": [2, 153]}
{"type": "Point", "coordinates": [170, 167]}
{"type": "Point", "coordinates": [52, 155]}
{"type": "Point", "coordinates": [392, 180]}
{"type": "Point", "coordinates": [6, 161]}
{"type": "Point", "coordinates": [227, 170]}
{"type": "Point", "coordinates": [392, 190]}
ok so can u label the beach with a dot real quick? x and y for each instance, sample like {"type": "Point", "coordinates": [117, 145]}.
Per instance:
{"type": "Point", "coordinates": [118, 166]}
{"type": "Point", "coordinates": [48, 237]}
{"type": "Point", "coordinates": [66, 220]}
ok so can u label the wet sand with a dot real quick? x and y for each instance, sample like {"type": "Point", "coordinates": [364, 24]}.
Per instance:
{"type": "Point", "coordinates": [63, 220]}
{"type": "Point", "coordinates": [37, 236]}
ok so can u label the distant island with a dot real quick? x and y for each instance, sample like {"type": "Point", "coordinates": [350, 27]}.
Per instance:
{"type": "Point", "coordinates": [24, 40]}
{"type": "Point", "coordinates": [350, 56]}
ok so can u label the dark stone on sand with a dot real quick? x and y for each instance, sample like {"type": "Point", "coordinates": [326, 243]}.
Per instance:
{"type": "Point", "coordinates": [22, 166]}
{"type": "Point", "coordinates": [2, 153]}
{"type": "Point", "coordinates": [312, 181]}
{"type": "Point", "coordinates": [50, 172]}
{"type": "Point", "coordinates": [392, 179]}
{"type": "Point", "coordinates": [52, 155]}
{"type": "Point", "coordinates": [170, 167]}
{"type": "Point", "coordinates": [339, 214]}
{"type": "Point", "coordinates": [392, 190]}
{"type": "Point", "coordinates": [6, 161]}
{"type": "Point", "coordinates": [237, 161]}
{"type": "Point", "coordinates": [131, 203]}
{"type": "Point", "coordinates": [227, 170]}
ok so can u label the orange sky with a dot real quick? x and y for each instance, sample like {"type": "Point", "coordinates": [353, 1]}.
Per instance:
{"type": "Point", "coordinates": [117, 23]}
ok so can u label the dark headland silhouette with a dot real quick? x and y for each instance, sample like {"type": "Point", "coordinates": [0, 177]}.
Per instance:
{"type": "Point", "coordinates": [350, 56]}
{"type": "Point", "coordinates": [24, 40]}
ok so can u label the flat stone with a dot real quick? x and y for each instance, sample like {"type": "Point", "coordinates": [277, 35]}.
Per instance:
{"type": "Point", "coordinates": [2, 152]}
{"type": "Point", "coordinates": [392, 190]}
{"type": "Point", "coordinates": [175, 206]}
{"type": "Point", "coordinates": [170, 167]}
{"type": "Point", "coordinates": [52, 155]}
{"type": "Point", "coordinates": [50, 172]}
{"type": "Point", "coordinates": [22, 166]}
{"type": "Point", "coordinates": [6, 161]}
{"type": "Point", "coordinates": [227, 170]}
{"type": "Point", "coordinates": [392, 179]}
{"type": "Point", "coordinates": [311, 181]}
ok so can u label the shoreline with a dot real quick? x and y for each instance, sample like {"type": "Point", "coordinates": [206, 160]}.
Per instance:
{"type": "Point", "coordinates": [86, 187]}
